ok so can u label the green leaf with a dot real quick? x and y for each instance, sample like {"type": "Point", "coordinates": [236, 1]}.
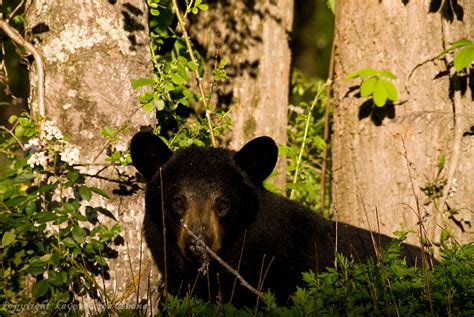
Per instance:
{"type": "Point", "coordinates": [40, 288]}
{"type": "Point", "coordinates": [203, 7]}
{"type": "Point", "coordinates": [19, 131]}
{"type": "Point", "coordinates": [154, 12]}
{"type": "Point", "coordinates": [441, 163]}
{"type": "Point", "coordinates": [455, 45]}
{"type": "Point", "coordinates": [22, 178]}
{"type": "Point", "coordinates": [367, 87]}
{"type": "Point", "coordinates": [464, 58]}
{"type": "Point", "coordinates": [55, 278]}
{"type": "Point", "coordinates": [380, 94]}
{"type": "Point", "coordinates": [100, 192]}
{"type": "Point", "coordinates": [8, 238]}
{"type": "Point", "coordinates": [392, 92]}
{"type": "Point", "coordinates": [364, 72]}
{"type": "Point", "coordinates": [148, 107]}
{"type": "Point", "coordinates": [177, 79]}
{"type": "Point", "coordinates": [69, 242]}
{"type": "Point", "coordinates": [195, 10]}
{"type": "Point", "coordinates": [137, 83]}
{"type": "Point", "coordinates": [388, 74]}
{"type": "Point", "coordinates": [192, 65]}
{"type": "Point", "coordinates": [85, 192]}
{"type": "Point", "coordinates": [79, 234]}
{"type": "Point", "coordinates": [332, 6]}
{"type": "Point", "coordinates": [45, 258]}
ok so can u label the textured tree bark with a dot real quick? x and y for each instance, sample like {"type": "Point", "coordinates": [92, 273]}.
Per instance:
{"type": "Point", "coordinates": [91, 51]}
{"type": "Point", "coordinates": [253, 37]}
{"type": "Point", "coordinates": [371, 173]}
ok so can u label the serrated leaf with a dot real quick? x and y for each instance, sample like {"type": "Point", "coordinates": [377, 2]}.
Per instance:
{"type": "Point", "coordinates": [40, 288]}
{"type": "Point", "coordinates": [8, 238]}
{"type": "Point", "coordinates": [177, 79]}
{"type": "Point", "coordinates": [364, 72]}
{"type": "Point", "coordinates": [392, 92]}
{"type": "Point", "coordinates": [380, 94]}
{"type": "Point", "coordinates": [464, 58]}
{"type": "Point", "coordinates": [367, 87]}
{"type": "Point", "coordinates": [137, 83]}
{"type": "Point", "coordinates": [85, 193]}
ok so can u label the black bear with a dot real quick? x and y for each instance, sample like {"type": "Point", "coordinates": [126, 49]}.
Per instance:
{"type": "Point", "coordinates": [218, 194]}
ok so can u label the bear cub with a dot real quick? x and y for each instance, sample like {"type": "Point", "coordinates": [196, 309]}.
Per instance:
{"type": "Point", "coordinates": [218, 194]}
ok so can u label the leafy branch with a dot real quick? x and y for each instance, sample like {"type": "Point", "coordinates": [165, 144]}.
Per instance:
{"type": "Point", "coordinates": [196, 71]}
{"type": "Point", "coordinates": [375, 83]}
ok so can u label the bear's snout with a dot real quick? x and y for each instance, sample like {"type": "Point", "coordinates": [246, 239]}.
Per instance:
{"type": "Point", "coordinates": [196, 249]}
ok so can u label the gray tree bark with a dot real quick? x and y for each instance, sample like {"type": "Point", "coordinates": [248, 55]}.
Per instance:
{"type": "Point", "coordinates": [253, 37]}
{"type": "Point", "coordinates": [382, 159]}
{"type": "Point", "coordinates": [91, 51]}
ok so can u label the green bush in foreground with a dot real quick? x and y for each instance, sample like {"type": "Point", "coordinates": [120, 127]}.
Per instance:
{"type": "Point", "coordinates": [386, 288]}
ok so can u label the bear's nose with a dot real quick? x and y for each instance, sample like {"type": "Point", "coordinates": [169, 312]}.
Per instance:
{"type": "Point", "coordinates": [196, 249]}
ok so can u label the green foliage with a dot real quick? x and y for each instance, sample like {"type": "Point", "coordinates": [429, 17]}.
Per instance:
{"type": "Point", "coordinates": [305, 132]}
{"type": "Point", "coordinates": [385, 287]}
{"type": "Point", "coordinates": [48, 241]}
{"type": "Point", "coordinates": [464, 56]}
{"type": "Point", "coordinates": [170, 92]}
{"type": "Point", "coordinates": [375, 83]}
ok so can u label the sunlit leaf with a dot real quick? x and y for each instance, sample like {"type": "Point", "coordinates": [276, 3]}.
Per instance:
{"type": "Point", "coordinates": [464, 58]}
{"type": "Point", "coordinates": [380, 94]}
{"type": "Point", "coordinates": [367, 87]}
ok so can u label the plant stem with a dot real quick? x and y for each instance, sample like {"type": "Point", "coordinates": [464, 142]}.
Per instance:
{"type": "Point", "coordinates": [196, 73]}
{"type": "Point", "coordinates": [305, 136]}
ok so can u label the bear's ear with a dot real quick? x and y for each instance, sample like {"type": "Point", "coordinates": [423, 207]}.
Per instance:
{"type": "Point", "coordinates": [258, 158]}
{"type": "Point", "coordinates": [148, 153]}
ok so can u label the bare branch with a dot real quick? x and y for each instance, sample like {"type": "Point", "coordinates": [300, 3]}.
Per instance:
{"type": "Point", "coordinates": [223, 263]}
{"type": "Point", "coordinates": [17, 38]}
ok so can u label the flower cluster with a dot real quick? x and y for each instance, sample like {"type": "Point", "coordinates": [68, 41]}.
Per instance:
{"type": "Point", "coordinates": [49, 146]}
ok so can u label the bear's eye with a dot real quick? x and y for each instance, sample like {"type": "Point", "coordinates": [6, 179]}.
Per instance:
{"type": "Point", "coordinates": [178, 203]}
{"type": "Point", "coordinates": [222, 206]}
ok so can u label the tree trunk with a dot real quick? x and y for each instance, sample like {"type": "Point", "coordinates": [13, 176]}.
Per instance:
{"type": "Point", "coordinates": [91, 51]}
{"type": "Point", "coordinates": [253, 37]}
{"type": "Point", "coordinates": [382, 159]}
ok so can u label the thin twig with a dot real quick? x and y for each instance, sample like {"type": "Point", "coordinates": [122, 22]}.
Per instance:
{"type": "Point", "coordinates": [305, 136]}
{"type": "Point", "coordinates": [243, 282]}
{"type": "Point", "coordinates": [16, 37]}
{"type": "Point", "coordinates": [14, 136]}
{"type": "Point", "coordinates": [165, 263]}
{"type": "Point", "coordinates": [324, 155]}
{"type": "Point", "coordinates": [196, 72]}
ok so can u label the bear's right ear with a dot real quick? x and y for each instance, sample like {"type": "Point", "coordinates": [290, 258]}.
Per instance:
{"type": "Point", "coordinates": [148, 153]}
{"type": "Point", "coordinates": [258, 158]}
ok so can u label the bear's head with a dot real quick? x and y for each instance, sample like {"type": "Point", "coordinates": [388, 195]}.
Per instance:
{"type": "Point", "coordinates": [213, 191]}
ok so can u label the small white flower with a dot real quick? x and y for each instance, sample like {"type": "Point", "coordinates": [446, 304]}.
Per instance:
{"type": "Point", "coordinates": [72, 93]}
{"type": "Point", "coordinates": [121, 146]}
{"type": "Point", "coordinates": [70, 154]}
{"type": "Point", "coordinates": [38, 159]}
{"type": "Point", "coordinates": [33, 145]}
{"type": "Point", "coordinates": [51, 131]}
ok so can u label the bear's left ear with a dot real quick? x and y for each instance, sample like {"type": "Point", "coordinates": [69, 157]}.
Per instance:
{"type": "Point", "coordinates": [148, 153]}
{"type": "Point", "coordinates": [258, 158]}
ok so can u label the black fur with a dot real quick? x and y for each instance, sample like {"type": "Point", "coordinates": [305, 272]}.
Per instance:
{"type": "Point", "coordinates": [267, 226]}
